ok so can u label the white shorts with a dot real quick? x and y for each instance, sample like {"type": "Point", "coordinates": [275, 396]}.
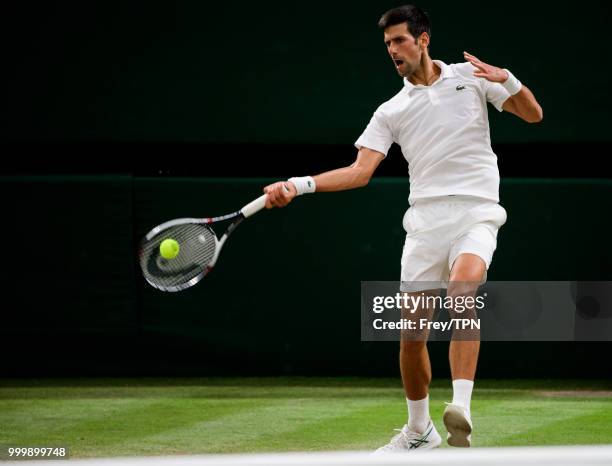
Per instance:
{"type": "Point", "coordinates": [440, 229]}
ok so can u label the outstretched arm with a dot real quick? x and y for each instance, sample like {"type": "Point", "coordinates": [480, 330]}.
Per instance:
{"type": "Point", "coordinates": [356, 175]}
{"type": "Point", "coordinates": [523, 104]}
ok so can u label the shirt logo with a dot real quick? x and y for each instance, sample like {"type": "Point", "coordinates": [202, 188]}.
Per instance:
{"type": "Point", "coordinates": [460, 87]}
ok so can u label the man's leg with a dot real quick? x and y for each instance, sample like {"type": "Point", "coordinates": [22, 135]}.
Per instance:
{"type": "Point", "coordinates": [424, 259]}
{"type": "Point", "coordinates": [419, 432]}
{"type": "Point", "coordinates": [415, 366]}
{"type": "Point", "coordinates": [466, 274]}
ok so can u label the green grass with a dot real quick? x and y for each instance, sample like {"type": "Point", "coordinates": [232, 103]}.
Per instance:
{"type": "Point", "coordinates": [109, 417]}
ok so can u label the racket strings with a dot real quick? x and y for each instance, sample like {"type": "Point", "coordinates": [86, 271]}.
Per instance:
{"type": "Point", "coordinates": [197, 245]}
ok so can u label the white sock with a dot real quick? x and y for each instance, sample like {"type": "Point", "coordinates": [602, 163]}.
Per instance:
{"type": "Point", "coordinates": [462, 393]}
{"type": "Point", "coordinates": [418, 414]}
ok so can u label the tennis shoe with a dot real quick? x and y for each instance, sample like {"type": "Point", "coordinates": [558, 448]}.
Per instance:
{"type": "Point", "coordinates": [407, 440]}
{"type": "Point", "coordinates": [458, 425]}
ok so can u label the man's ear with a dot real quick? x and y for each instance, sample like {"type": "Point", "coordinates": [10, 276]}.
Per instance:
{"type": "Point", "coordinates": [424, 40]}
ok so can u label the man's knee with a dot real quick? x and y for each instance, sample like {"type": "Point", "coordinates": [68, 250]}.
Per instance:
{"type": "Point", "coordinates": [468, 268]}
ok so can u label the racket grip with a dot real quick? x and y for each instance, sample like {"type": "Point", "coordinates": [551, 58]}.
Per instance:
{"type": "Point", "coordinates": [255, 206]}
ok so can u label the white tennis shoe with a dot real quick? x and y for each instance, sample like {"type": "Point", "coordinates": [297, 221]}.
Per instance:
{"type": "Point", "coordinates": [407, 440]}
{"type": "Point", "coordinates": [458, 425]}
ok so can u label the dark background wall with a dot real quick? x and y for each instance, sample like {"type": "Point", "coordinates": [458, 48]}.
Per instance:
{"type": "Point", "coordinates": [279, 72]}
{"type": "Point", "coordinates": [117, 116]}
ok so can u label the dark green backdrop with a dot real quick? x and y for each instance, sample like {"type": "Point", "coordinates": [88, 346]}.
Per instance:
{"type": "Point", "coordinates": [272, 71]}
{"type": "Point", "coordinates": [284, 298]}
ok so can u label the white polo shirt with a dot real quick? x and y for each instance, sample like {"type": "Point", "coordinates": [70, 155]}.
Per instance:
{"type": "Point", "coordinates": [443, 131]}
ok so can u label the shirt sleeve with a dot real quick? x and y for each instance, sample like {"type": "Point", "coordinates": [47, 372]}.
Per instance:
{"type": "Point", "coordinates": [377, 135]}
{"type": "Point", "coordinates": [496, 94]}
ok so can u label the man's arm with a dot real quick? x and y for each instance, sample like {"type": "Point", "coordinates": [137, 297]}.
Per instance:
{"type": "Point", "coordinates": [523, 104]}
{"type": "Point", "coordinates": [355, 175]}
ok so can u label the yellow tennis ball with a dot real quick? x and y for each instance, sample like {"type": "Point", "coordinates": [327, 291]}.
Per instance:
{"type": "Point", "coordinates": [169, 248]}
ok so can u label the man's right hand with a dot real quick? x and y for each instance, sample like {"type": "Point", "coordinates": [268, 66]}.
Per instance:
{"type": "Point", "coordinates": [279, 194]}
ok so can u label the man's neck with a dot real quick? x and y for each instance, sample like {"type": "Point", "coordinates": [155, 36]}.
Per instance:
{"type": "Point", "coordinates": [427, 73]}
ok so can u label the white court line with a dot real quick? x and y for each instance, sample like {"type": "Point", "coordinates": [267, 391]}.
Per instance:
{"type": "Point", "coordinates": [507, 456]}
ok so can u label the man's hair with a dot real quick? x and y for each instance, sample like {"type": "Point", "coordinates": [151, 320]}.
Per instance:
{"type": "Point", "coordinates": [417, 19]}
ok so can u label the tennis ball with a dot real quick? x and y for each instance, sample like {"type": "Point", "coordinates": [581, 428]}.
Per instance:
{"type": "Point", "coordinates": [169, 248]}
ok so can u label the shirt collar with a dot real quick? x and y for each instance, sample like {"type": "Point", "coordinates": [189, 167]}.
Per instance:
{"type": "Point", "coordinates": [445, 72]}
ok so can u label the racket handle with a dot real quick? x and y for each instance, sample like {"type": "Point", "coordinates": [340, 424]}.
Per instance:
{"type": "Point", "coordinates": [255, 206]}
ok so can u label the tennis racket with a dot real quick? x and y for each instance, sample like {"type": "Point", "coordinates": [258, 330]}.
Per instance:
{"type": "Point", "coordinates": [199, 248]}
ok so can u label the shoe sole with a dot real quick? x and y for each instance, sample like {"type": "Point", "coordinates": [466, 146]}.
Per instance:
{"type": "Point", "coordinates": [457, 426]}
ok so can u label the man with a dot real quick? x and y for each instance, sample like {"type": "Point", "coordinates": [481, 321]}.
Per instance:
{"type": "Point", "coordinates": [439, 118]}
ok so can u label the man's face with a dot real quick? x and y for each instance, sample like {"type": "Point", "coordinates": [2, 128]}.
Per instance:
{"type": "Point", "coordinates": [404, 50]}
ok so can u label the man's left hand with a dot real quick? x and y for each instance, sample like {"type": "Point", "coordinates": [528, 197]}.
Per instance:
{"type": "Point", "coordinates": [484, 70]}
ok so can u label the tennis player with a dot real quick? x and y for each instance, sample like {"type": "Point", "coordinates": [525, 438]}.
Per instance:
{"type": "Point", "coordinates": [439, 118]}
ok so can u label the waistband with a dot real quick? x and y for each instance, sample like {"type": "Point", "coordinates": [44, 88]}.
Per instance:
{"type": "Point", "coordinates": [452, 199]}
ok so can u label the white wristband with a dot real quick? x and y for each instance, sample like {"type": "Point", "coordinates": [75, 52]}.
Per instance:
{"type": "Point", "coordinates": [512, 84]}
{"type": "Point", "coordinates": [303, 184]}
